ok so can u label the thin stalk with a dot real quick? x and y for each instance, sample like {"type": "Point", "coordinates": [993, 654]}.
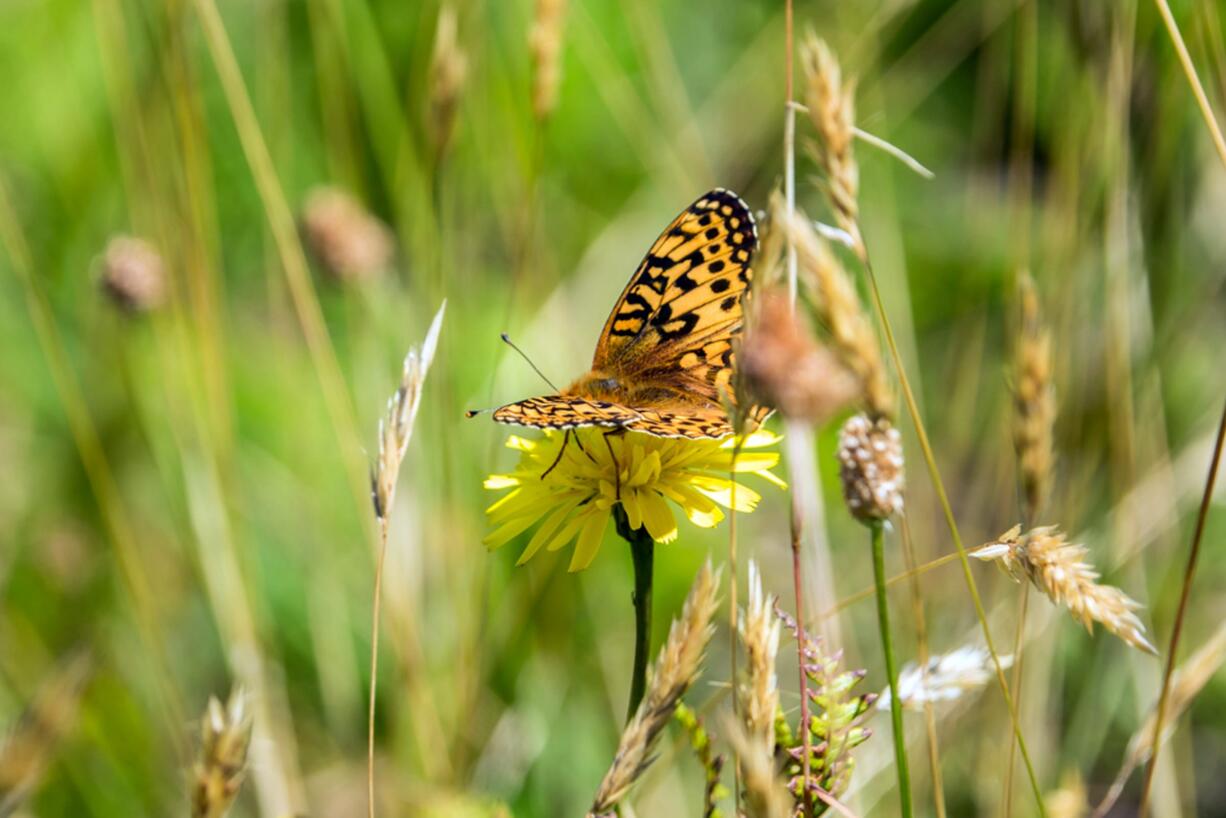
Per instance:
{"type": "Point", "coordinates": [921, 646]}
{"type": "Point", "coordinates": [1188, 575]}
{"type": "Point", "coordinates": [1219, 144]}
{"type": "Point", "coordinates": [1018, 642]}
{"type": "Point", "coordinates": [939, 485]}
{"type": "Point", "coordinates": [374, 668]}
{"type": "Point", "coordinates": [876, 529]}
{"type": "Point", "coordinates": [642, 552]}
{"type": "Point", "coordinates": [789, 151]}
{"type": "Point", "coordinates": [803, 684]}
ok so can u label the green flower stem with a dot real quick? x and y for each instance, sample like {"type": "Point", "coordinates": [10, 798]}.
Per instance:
{"type": "Point", "coordinates": [642, 551]}
{"type": "Point", "coordinates": [891, 669]}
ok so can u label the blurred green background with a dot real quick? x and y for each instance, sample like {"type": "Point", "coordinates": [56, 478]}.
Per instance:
{"type": "Point", "coordinates": [184, 497]}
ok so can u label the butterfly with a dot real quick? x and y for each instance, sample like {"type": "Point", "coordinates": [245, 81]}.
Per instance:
{"type": "Point", "coordinates": [665, 360]}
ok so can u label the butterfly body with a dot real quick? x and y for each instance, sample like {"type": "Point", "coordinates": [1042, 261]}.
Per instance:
{"type": "Point", "coordinates": [664, 362]}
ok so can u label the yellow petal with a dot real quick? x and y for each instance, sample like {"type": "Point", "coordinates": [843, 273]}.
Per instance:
{"type": "Point", "coordinates": [547, 530]}
{"type": "Point", "coordinates": [509, 531]}
{"type": "Point", "coordinates": [727, 493]}
{"type": "Point", "coordinates": [755, 461]}
{"type": "Point", "coordinates": [567, 533]}
{"type": "Point", "coordinates": [589, 541]}
{"type": "Point", "coordinates": [634, 509]}
{"type": "Point", "coordinates": [658, 517]}
{"type": "Point", "coordinates": [500, 481]}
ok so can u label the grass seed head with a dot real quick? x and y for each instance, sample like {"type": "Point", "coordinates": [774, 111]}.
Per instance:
{"type": "Point", "coordinates": [222, 762]}
{"type": "Point", "coordinates": [350, 243]}
{"type": "Point", "coordinates": [832, 110]}
{"type": "Point", "coordinates": [545, 43]}
{"type": "Point", "coordinates": [759, 692]}
{"type": "Point", "coordinates": [1034, 400]}
{"type": "Point", "coordinates": [1058, 568]}
{"type": "Point", "coordinates": [784, 366]}
{"type": "Point", "coordinates": [448, 70]}
{"type": "Point", "coordinates": [839, 309]}
{"type": "Point", "coordinates": [133, 274]}
{"type": "Point", "coordinates": [871, 467]}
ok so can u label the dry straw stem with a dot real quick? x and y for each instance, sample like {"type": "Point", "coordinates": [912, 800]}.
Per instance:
{"type": "Point", "coordinates": [29, 745]}
{"type": "Point", "coordinates": [221, 765]}
{"type": "Point", "coordinates": [677, 667]}
{"type": "Point", "coordinates": [545, 42]}
{"type": "Point", "coordinates": [759, 694]}
{"type": "Point", "coordinates": [832, 110]}
{"type": "Point", "coordinates": [943, 678]}
{"type": "Point", "coordinates": [448, 70]}
{"type": "Point", "coordinates": [1058, 569]}
{"type": "Point", "coordinates": [1186, 682]}
{"type": "Point", "coordinates": [838, 306]}
{"type": "Point", "coordinates": [1034, 400]}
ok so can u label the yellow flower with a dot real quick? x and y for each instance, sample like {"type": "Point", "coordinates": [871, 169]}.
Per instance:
{"type": "Point", "coordinates": [576, 498]}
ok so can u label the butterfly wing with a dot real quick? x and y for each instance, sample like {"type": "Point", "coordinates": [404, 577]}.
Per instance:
{"type": "Point", "coordinates": [674, 324]}
{"type": "Point", "coordinates": [565, 412]}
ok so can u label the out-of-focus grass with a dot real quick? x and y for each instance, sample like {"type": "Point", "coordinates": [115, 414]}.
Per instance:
{"type": "Point", "coordinates": [235, 459]}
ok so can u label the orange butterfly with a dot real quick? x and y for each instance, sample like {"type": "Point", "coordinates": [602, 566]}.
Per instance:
{"type": "Point", "coordinates": [664, 361]}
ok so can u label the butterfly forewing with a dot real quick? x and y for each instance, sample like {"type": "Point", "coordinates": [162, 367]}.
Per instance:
{"type": "Point", "coordinates": [675, 320]}
{"type": "Point", "coordinates": [564, 412]}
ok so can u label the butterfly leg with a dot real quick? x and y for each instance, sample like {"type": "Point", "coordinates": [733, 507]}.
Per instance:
{"type": "Point", "coordinates": [561, 451]}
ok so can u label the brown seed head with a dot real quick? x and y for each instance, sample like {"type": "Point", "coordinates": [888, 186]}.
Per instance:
{"type": "Point", "coordinates": [1058, 569]}
{"type": "Point", "coordinates": [545, 42]}
{"type": "Point", "coordinates": [222, 763]}
{"type": "Point", "coordinates": [871, 467]}
{"type": "Point", "coordinates": [784, 366]}
{"type": "Point", "coordinates": [839, 309]}
{"type": "Point", "coordinates": [133, 274]}
{"type": "Point", "coordinates": [1034, 400]}
{"type": "Point", "coordinates": [448, 70]}
{"type": "Point", "coordinates": [832, 109]}
{"type": "Point", "coordinates": [351, 243]}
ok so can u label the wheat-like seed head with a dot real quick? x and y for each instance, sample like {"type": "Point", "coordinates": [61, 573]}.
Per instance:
{"type": "Point", "coordinates": [396, 427]}
{"type": "Point", "coordinates": [448, 70]}
{"type": "Point", "coordinates": [677, 667]}
{"type": "Point", "coordinates": [832, 109]}
{"type": "Point", "coordinates": [1034, 400]}
{"type": "Point", "coordinates": [839, 308]}
{"type": "Point", "coordinates": [1058, 569]}
{"type": "Point", "coordinates": [765, 793]}
{"type": "Point", "coordinates": [222, 763]}
{"type": "Point", "coordinates": [759, 693]}
{"type": "Point", "coordinates": [545, 43]}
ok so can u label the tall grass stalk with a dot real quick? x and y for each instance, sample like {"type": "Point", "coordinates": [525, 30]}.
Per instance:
{"type": "Point", "coordinates": [876, 534]}
{"type": "Point", "coordinates": [1219, 144]}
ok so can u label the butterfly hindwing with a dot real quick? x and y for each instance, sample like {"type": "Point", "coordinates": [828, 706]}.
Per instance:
{"type": "Point", "coordinates": [675, 320]}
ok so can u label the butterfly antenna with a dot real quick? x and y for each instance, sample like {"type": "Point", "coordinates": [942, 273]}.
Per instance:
{"type": "Point", "coordinates": [506, 339]}
{"type": "Point", "coordinates": [472, 413]}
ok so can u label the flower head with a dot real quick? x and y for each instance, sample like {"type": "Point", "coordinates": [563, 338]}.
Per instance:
{"type": "Point", "coordinates": [568, 485]}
